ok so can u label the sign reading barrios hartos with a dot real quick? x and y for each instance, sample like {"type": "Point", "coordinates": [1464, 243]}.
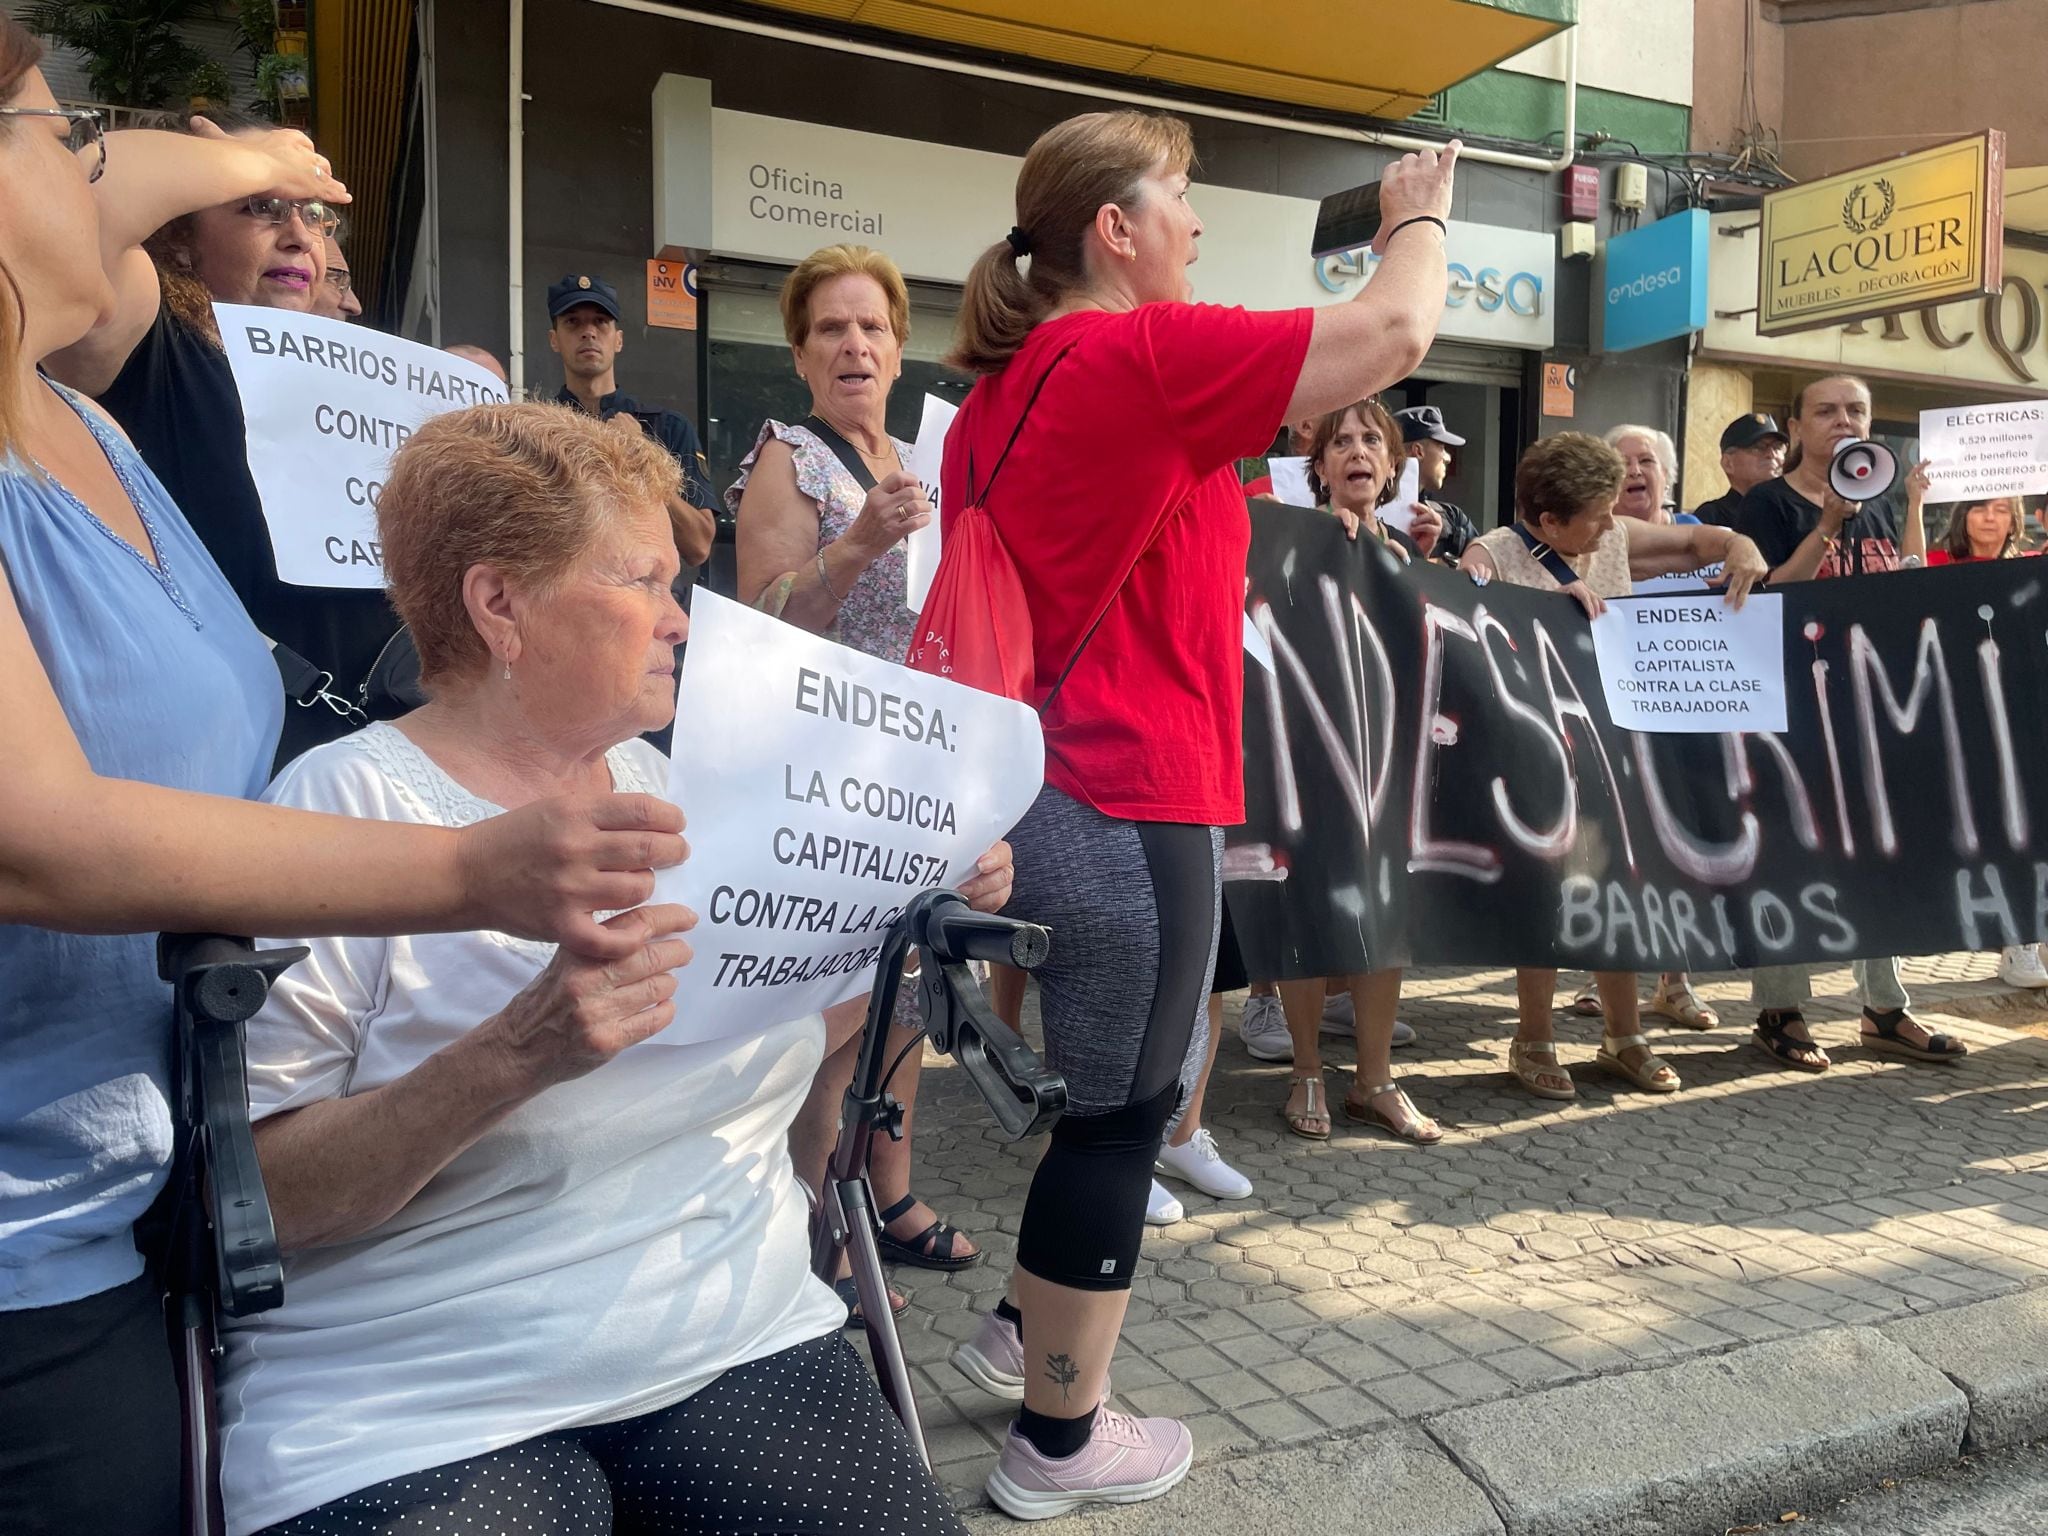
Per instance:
{"type": "Point", "coordinates": [1921, 229]}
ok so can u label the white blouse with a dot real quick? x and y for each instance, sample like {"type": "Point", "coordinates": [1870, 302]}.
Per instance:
{"type": "Point", "coordinates": [606, 1250]}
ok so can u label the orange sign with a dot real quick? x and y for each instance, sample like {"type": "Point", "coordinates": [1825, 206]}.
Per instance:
{"type": "Point", "coordinates": [672, 294]}
{"type": "Point", "coordinates": [1560, 390]}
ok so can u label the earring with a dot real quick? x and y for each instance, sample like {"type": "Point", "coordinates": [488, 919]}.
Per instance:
{"type": "Point", "coordinates": [508, 671]}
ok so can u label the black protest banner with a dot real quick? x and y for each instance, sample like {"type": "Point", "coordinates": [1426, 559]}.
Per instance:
{"type": "Point", "coordinates": [1431, 777]}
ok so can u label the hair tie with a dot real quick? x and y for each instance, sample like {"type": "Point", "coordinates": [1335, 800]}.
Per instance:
{"type": "Point", "coordinates": [1020, 242]}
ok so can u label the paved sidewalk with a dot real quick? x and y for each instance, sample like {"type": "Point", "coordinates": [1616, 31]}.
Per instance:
{"type": "Point", "coordinates": [1369, 1285]}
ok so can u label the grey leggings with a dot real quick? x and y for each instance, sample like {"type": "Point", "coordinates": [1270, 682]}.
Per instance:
{"type": "Point", "coordinates": [1133, 908]}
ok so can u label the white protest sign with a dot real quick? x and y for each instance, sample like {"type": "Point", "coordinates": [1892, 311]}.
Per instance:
{"type": "Point", "coordinates": [927, 458]}
{"type": "Point", "coordinates": [1257, 646]}
{"type": "Point", "coordinates": [1400, 512]}
{"type": "Point", "coordinates": [1290, 480]}
{"type": "Point", "coordinates": [326, 404]}
{"type": "Point", "coordinates": [1986, 450]}
{"type": "Point", "coordinates": [824, 788]}
{"type": "Point", "coordinates": [1693, 665]}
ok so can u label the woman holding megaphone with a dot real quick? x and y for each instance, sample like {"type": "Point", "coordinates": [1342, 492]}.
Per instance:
{"type": "Point", "coordinates": [1803, 524]}
{"type": "Point", "coordinates": [1799, 522]}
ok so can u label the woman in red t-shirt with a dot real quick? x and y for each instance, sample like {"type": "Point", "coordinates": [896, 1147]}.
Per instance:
{"type": "Point", "coordinates": [1980, 530]}
{"type": "Point", "coordinates": [1121, 509]}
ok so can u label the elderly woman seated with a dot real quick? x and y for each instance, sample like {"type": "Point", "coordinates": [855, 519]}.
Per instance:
{"type": "Point", "coordinates": [544, 1272]}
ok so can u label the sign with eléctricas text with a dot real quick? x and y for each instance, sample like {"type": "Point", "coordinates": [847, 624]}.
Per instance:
{"type": "Point", "coordinates": [823, 789]}
{"type": "Point", "coordinates": [1985, 450]}
{"type": "Point", "coordinates": [325, 405]}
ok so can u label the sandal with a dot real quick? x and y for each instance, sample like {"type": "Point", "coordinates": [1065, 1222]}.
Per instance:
{"type": "Point", "coordinates": [1774, 1035]}
{"type": "Point", "coordinates": [1314, 1111]}
{"type": "Point", "coordinates": [1586, 1002]}
{"type": "Point", "coordinates": [1881, 1034]}
{"type": "Point", "coordinates": [1651, 1074]}
{"type": "Point", "coordinates": [1529, 1068]}
{"type": "Point", "coordinates": [1682, 1008]}
{"type": "Point", "coordinates": [1408, 1123]}
{"type": "Point", "coordinates": [844, 1288]}
{"type": "Point", "coordinates": [930, 1249]}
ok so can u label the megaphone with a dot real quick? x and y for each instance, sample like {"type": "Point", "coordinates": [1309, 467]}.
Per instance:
{"type": "Point", "coordinates": [1862, 470]}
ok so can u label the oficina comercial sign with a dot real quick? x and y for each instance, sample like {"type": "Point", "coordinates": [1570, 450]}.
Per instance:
{"type": "Point", "coordinates": [1920, 229]}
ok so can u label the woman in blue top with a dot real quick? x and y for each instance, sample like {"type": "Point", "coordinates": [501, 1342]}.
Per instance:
{"type": "Point", "coordinates": [141, 711]}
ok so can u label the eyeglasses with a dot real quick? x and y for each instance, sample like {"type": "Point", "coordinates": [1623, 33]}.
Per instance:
{"type": "Point", "coordinates": [88, 131]}
{"type": "Point", "coordinates": [340, 278]}
{"type": "Point", "coordinates": [314, 214]}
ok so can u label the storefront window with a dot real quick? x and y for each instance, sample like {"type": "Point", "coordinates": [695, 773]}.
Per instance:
{"type": "Point", "coordinates": [751, 378]}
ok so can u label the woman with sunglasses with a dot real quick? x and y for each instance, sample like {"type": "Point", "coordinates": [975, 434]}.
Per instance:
{"type": "Point", "coordinates": [141, 715]}
{"type": "Point", "coordinates": [220, 211]}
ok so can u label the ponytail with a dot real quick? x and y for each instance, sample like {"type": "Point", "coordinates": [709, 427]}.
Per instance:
{"type": "Point", "coordinates": [997, 312]}
{"type": "Point", "coordinates": [1074, 169]}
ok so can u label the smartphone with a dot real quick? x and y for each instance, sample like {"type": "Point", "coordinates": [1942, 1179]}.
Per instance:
{"type": "Point", "coordinates": [1347, 221]}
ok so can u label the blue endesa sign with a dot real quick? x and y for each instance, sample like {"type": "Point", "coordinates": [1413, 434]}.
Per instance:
{"type": "Point", "coordinates": [1656, 282]}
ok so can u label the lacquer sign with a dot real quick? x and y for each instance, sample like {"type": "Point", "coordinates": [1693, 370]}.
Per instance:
{"type": "Point", "coordinates": [1902, 234]}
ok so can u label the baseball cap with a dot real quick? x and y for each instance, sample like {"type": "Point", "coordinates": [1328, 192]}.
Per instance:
{"type": "Point", "coordinates": [1748, 431]}
{"type": "Point", "coordinates": [1425, 423]}
{"type": "Point", "coordinates": [581, 288]}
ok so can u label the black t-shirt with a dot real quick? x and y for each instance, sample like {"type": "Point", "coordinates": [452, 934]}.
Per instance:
{"type": "Point", "coordinates": [1721, 510]}
{"type": "Point", "coordinates": [176, 399]}
{"type": "Point", "coordinates": [1778, 518]}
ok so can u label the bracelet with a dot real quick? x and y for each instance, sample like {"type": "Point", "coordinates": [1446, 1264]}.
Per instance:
{"type": "Point", "coordinates": [1421, 218]}
{"type": "Point", "coordinates": [826, 581]}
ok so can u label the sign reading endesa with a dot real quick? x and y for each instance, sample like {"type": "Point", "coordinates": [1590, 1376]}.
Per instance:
{"type": "Point", "coordinates": [1902, 234]}
{"type": "Point", "coordinates": [1656, 282]}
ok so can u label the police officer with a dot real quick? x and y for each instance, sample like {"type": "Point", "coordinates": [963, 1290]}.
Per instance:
{"type": "Point", "coordinates": [583, 329]}
{"type": "Point", "coordinates": [1752, 451]}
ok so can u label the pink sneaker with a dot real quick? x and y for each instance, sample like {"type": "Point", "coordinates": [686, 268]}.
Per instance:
{"type": "Point", "coordinates": [1126, 1461]}
{"type": "Point", "coordinates": [994, 1359]}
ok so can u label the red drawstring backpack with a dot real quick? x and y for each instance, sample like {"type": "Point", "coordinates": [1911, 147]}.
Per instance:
{"type": "Point", "coordinates": [976, 626]}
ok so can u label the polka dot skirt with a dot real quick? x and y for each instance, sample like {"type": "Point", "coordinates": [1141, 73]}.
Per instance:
{"type": "Point", "coordinates": [798, 1444]}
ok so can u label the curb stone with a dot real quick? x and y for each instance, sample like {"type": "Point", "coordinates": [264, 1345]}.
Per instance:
{"type": "Point", "coordinates": [1694, 1448]}
{"type": "Point", "coordinates": [1997, 1352]}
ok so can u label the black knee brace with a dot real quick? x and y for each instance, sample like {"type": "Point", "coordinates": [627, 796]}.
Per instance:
{"type": "Point", "coordinates": [1085, 1215]}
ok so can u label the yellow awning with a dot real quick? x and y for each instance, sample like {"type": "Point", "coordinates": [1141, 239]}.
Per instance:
{"type": "Point", "coordinates": [1371, 58]}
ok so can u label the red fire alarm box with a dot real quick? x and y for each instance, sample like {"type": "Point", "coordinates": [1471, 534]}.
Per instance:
{"type": "Point", "coordinates": [1582, 192]}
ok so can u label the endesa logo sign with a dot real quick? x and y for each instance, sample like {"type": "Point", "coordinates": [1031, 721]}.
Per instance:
{"type": "Point", "coordinates": [1656, 284]}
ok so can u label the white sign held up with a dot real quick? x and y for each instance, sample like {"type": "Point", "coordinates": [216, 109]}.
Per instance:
{"type": "Point", "coordinates": [326, 404]}
{"type": "Point", "coordinates": [824, 788]}
{"type": "Point", "coordinates": [927, 458]}
{"type": "Point", "coordinates": [1290, 480]}
{"type": "Point", "coordinates": [1986, 450]}
{"type": "Point", "coordinates": [1689, 665]}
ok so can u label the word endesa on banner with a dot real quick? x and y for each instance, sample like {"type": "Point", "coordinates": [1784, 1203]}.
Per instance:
{"type": "Point", "coordinates": [1432, 777]}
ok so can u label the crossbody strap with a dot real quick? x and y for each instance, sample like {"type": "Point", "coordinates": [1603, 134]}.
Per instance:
{"type": "Point", "coordinates": [980, 499]}
{"type": "Point", "coordinates": [842, 450]}
{"type": "Point", "coordinates": [1559, 568]}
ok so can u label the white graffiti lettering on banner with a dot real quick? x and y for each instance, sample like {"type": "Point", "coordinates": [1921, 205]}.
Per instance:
{"type": "Point", "coordinates": [1493, 791]}
{"type": "Point", "coordinates": [823, 788]}
{"type": "Point", "coordinates": [326, 404]}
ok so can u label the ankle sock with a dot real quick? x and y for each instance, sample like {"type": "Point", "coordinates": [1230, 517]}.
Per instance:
{"type": "Point", "coordinates": [1010, 1314]}
{"type": "Point", "coordinates": [1056, 1438]}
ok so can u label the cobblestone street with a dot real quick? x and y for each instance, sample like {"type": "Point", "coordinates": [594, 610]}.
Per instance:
{"type": "Point", "coordinates": [1368, 1281]}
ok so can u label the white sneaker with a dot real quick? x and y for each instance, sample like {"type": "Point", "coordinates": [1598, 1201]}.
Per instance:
{"type": "Point", "coordinates": [2021, 966]}
{"type": "Point", "coordinates": [1263, 1029]}
{"type": "Point", "coordinates": [1161, 1209]}
{"type": "Point", "coordinates": [1197, 1162]}
{"type": "Point", "coordinates": [1341, 1019]}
